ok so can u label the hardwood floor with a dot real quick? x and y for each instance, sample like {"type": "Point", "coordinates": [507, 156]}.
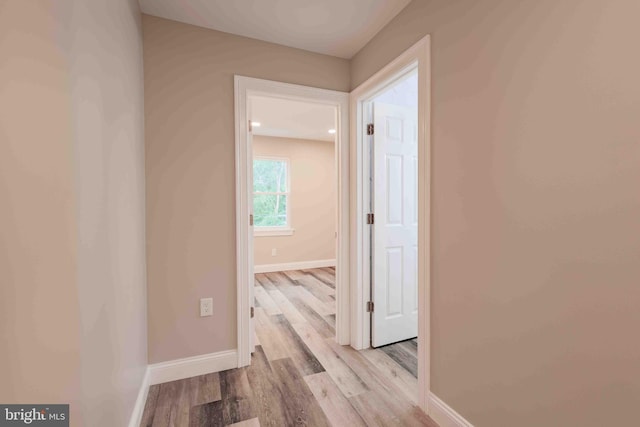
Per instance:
{"type": "Point", "coordinates": [298, 376]}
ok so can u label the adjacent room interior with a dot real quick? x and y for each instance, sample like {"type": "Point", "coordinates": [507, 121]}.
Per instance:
{"type": "Point", "coordinates": [294, 217]}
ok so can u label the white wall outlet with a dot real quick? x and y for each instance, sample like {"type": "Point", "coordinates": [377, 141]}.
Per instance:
{"type": "Point", "coordinates": [206, 307]}
{"type": "Point", "coordinates": [274, 252]}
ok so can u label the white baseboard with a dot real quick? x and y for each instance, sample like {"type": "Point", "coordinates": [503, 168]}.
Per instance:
{"type": "Point", "coordinates": [172, 370]}
{"type": "Point", "coordinates": [192, 366]}
{"type": "Point", "coordinates": [304, 265]}
{"type": "Point", "coordinates": [141, 400]}
{"type": "Point", "coordinates": [444, 415]}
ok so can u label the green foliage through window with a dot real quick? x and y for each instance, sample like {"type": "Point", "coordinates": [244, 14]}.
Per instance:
{"type": "Point", "coordinates": [270, 193]}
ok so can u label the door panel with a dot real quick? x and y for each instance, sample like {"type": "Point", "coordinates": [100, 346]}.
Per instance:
{"type": "Point", "coordinates": [395, 231]}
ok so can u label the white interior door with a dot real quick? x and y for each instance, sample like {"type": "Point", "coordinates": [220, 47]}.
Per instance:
{"type": "Point", "coordinates": [395, 229]}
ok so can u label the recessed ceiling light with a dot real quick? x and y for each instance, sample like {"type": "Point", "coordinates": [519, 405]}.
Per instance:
{"type": "Point", "coordinates": [255, 124]}
{"type": "Point", "coordinates": [332, 131]}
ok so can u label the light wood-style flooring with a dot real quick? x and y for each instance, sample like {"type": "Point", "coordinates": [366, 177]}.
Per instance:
{"type": "Point", "coordinates": [298, 376]}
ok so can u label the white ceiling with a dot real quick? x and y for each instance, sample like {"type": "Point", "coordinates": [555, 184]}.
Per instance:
{"type": "Point", "coordinates": [333, 27]}
{"type": "Point", "coordinates": [292, 119]}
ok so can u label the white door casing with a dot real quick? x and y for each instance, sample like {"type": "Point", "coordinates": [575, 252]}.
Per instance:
{"type": "Point", "coordinates": [245, 87]}
{"type": "Point", "coordinates": [252, 298]}
{"type": "Point", "coordinates": [395, 229]}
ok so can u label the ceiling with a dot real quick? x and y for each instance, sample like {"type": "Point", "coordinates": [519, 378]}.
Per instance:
{"type": "Point", "coordinates": [292, 119]}
{"type": "Point", "coordinates": [333, 27]}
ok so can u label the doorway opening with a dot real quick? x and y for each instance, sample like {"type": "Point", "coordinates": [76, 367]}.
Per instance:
{"type": "Point", "coordinates": [294, 223]}
{"type": "Point", "coordinates": [391, 223]}
{"type": "Point", "coordinates": [276, 208]}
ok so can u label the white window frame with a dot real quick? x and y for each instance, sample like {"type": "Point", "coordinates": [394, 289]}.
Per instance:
{"type": "Point", "coordinates": [282, 230]}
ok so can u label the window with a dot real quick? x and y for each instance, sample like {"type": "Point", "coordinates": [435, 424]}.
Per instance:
{"type": "Point", "coordinates": [271, 196]}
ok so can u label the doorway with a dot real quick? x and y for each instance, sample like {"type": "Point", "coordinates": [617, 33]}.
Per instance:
{"type": "Point", "coordinates": [391, 232]}
{"type": "Point", "coordinates": [294, 222]}
{"type": "Point", "coordinates": [249, 92]}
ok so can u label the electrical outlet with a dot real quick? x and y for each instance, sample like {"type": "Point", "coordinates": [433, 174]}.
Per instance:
{"type": "Point", "coordinates": [206, 307]}
{"type": "Point", "coordinates": [274, 252]}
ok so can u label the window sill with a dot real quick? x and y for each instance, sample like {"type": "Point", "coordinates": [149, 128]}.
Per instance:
{"type": "Point", "coordinates": [273, 232]}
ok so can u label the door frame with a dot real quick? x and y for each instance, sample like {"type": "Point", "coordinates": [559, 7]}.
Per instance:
{"type": "Point", "coordinates": [418, 56]}
{"type": "Point", "coordinates": [244, 88]}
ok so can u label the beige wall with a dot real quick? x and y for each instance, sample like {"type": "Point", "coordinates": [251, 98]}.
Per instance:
{"type": "Point", "coordinates": [536, 207]}
{"type": "Point", "coordinates": [313, 201]}
{"type": "Point", "coordinates": [190, 173]}
{"type": "Point", "coordinates": [72, 266]}
{"type": "Point", "coordinates": [108, 118]}
{"type": "Point", "coordinates": [39, 313]}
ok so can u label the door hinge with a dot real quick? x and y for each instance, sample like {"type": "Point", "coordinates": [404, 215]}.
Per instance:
{"type": "Point", "coordinates": [370, 218]}
{"type": "Point", "coordinates": [370, 129]}
{"type": "Point", "coordinates": [250, 126]}
{"type": "Point", "coordinates": [369, 306]}
{"type": "Point", "coordinates": [250, 219]}
{"type": "Point", "coordinates": [252, 312]}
